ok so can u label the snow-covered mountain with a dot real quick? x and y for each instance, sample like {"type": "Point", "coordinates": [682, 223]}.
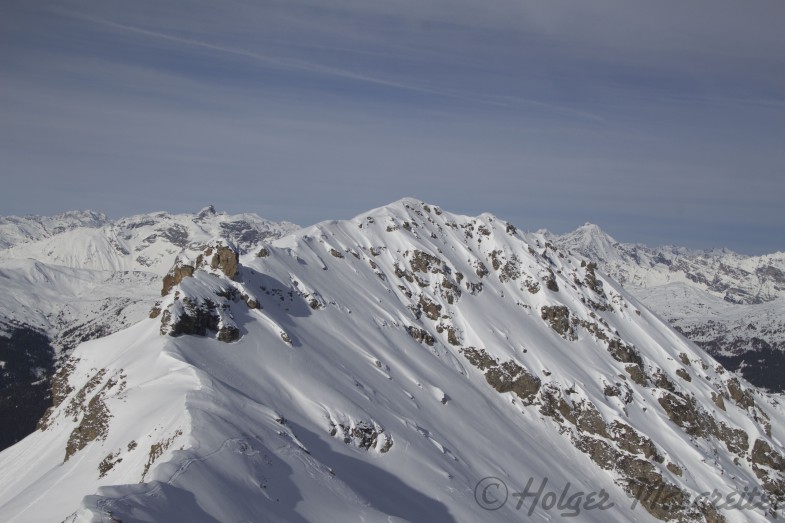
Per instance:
{"type": "Point", "coordinates": [146, 242]}
{"type": "Point", "coordinates": [22, 229]}
{"type": "Point", "coordinates": [79, 276]}
{"type": "Point", "coordinates": [733, 277]}
{"type": "Point", "coordinates": [730, 304]}
{"type": "Point", "coordinates": [384, 368]}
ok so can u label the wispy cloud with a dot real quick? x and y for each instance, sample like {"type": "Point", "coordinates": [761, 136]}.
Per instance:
{"type": "Point", "coordinates": [549, 113]}
{"type": "Point", "coordinates": [316, 68]}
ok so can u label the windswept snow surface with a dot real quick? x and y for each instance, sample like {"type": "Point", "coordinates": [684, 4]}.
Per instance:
{"type": "Point", "coordinates": [350, 397]}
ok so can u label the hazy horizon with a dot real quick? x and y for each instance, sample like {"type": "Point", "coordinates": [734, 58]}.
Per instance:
{"type": "Point", "coordinates": [662, 123]}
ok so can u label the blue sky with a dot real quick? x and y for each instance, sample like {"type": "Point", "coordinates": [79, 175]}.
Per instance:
{"type": "Point", "coordinates": [662, 122]}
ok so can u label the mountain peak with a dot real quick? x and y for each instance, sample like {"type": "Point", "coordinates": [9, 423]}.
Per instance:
{"type": "Point", "coordinates": [406, 204]}
{"type": "Point", "coordinates": [592, 230]}
{"type": "Point", "coordinates": [590, 241]}
{"type": "Point", "coordinates": [206, 211]}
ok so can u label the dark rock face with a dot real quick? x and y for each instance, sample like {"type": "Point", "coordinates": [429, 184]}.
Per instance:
{"type": "Point", "coordinates": [364, 435]}
{"type": "Point", "coordinates": [559, 318]}
{"type": "Point", "coordinates": [25, 392]}
{"type": "Point", "coordinates": [431, 309]}
{"type": "Point", "coordinates": [509, 269]}
{"type": "Point", "coordinates": [662, 381]}
{"type": "Point", "coordinates": [637, 374]}
{"type": "Point", "coordinates": [769, 466]}
{"type": "Point", "coordinates": [177, 235]}
{"type": "Point", "coordinates": [685, 414]}
{"type": "Point", "coordinates": [504, 377]}
{"type": "Point", "coordinates": [481, 270]}
{"type": "Point", "coordinates": [228, 334]}
{"type": "Point", "coordinates": [94, 425]}
{"type": "Point", "coordinates": [550, 282]}
{"type": "Point", "coordinates": [199, 317]}
{"type": "Point", "coordinates": [60, 390]}
{"type": "Point", "coordinates": [591, 279]}
{"type": "Point", "coordinates": [641, 478]}
{"type": "Point", "coordinates": [619, 447]}
{"type": "Point", "coordinates": [226, 259]}
{"type": "Point", "coordinates": [624, 353]}
{"type": "Point", "coordinates": [175, 276]}
{"type": "Point", "coordinates": [421, 335]}
{"type": "Point", "coordinates": [242, 232]}
{"type": "Point", "coordinates": [511, 377]}
{"type": "Point", "coordinates": [583, 414]}
{"type": "Point", "coordinates": [424, 262]}
{"type": "Point", "coordinates": [633, 441]}
{"type": "Point", "coordinates": [92, 414]}
{"type": "Point", "coordinates": [741, 396]}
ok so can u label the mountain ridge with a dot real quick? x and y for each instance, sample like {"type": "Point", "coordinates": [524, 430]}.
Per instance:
{"type": "Point", "coordinates": [361, 349]}
{"type": "Point", "coordinates": [79, 276]}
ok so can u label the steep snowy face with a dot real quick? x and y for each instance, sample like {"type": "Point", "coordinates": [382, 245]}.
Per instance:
{"type": "Point", "coordinates": [378, 369]}
{"type": "Point", "coordinates": [731, 305]}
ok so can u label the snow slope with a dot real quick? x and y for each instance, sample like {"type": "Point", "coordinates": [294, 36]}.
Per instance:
{"type": "Point", "coordinates": [379, 368]}
{"type": "Point", "coordinates": [78, 276]}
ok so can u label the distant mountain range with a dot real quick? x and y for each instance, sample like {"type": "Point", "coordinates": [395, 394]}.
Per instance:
{"type": "Point", "coordinates": [730, 304]}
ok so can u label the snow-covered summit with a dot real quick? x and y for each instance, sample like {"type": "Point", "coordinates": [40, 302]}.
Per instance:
{"type": "Point", "coordinates": [590, 241]}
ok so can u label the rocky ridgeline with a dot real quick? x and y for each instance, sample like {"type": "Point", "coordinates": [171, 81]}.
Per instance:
{"type": "Point", "coordinates": [203, 304]}
{"type": "Point", "coordinates": [432, 287]}
{"type": "Point", "coordinates": [613, 386]}
{"type": "Point", "coordinates": [80, 276]}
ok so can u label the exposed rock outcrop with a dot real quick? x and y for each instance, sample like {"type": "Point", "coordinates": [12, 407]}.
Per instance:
{"type": "Point", "coordinates": [504, 377]}
{"type": "Point", "coordinates": [180, 270]}
{"type": "Point", "coordinates": [558, 316]}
